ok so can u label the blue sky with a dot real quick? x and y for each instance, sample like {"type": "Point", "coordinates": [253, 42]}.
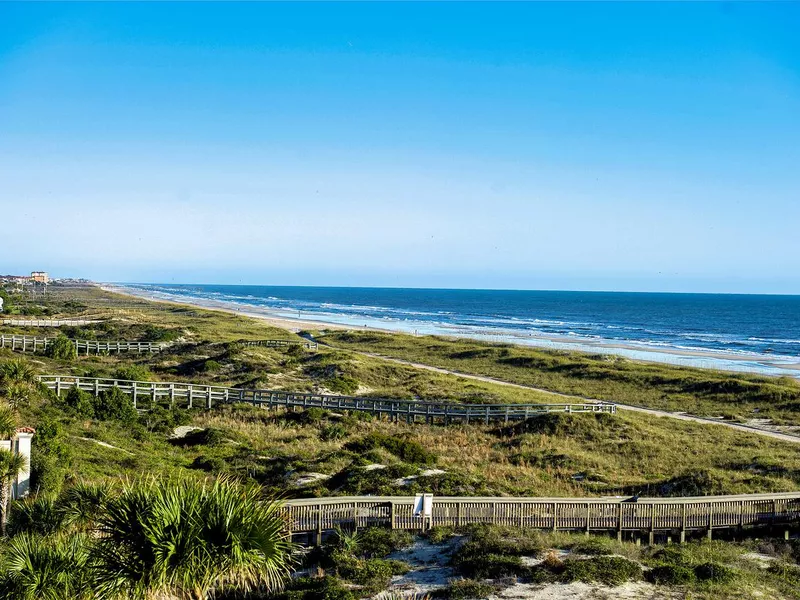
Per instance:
{"type": "Point", "coordinates": [631, 146]}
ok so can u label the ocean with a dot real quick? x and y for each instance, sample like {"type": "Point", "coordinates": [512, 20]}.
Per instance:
{"type": "Point", "coordinates": [756, 333]}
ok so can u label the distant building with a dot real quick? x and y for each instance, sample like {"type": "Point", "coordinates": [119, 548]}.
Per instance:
{"type": "Point", "coordinates": [40, 277]}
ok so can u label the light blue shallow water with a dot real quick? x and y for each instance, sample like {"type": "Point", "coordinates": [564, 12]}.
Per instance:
{"type": "Point", "coordinates": [741, 332]}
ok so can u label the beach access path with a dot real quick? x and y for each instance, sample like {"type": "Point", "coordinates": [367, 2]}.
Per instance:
{"type": "Point", "coordinates": [786, 437]}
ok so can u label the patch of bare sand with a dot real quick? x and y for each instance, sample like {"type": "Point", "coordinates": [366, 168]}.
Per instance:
{"type": "Point", "coordinates": [428, 571]}
{"type": "Point", "coordinates": [584, 591]}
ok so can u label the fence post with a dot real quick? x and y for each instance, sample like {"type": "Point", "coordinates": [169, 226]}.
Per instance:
{"type": "Point", "coordinates": [588, 516]}
{"type": "Point", "coordinates": [683, 525]}
{"type": "Point", "coordinates": [134, 394]}
{"type": "Point", "coordinates": [58, 386]}
{"type": "Point", "coordinates": [710, 518]}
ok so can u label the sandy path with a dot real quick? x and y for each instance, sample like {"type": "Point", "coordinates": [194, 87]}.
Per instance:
{"type": "Point", "coordinates": [785, 437]}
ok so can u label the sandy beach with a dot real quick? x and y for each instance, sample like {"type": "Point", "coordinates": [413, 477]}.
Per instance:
{"type": "Point", "coordinates": [682, 357]}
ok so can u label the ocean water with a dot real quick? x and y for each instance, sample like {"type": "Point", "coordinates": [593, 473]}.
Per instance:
{"type": "Point", "coordinates": [742, 332]}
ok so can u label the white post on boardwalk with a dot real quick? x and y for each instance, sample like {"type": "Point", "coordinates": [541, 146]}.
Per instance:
{"type": "Point", "coordinates": [423, 507]}
{"type": "Point", "coordinates": [20, 444]}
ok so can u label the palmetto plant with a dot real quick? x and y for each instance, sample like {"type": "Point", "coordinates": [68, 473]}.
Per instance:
{"type": "Point", "coordinates": [17, 370]}
{"type": "Point", "coordinates": [45, 568]}
{"type": "Point", "coordinates": [189, 541]}
{"type": "Point", "coordinates": [82, 503]}
{"type": "Point", "coordinates": [18, 382]}
{"type": "Point", "coordinates": [8, 422]}
{"type": "Point", "coordinates": [40, 514]}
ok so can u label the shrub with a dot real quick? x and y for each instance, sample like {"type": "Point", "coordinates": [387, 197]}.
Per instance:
{"type": "Point", "coordinates": [492, 566]}
{"type": "Point", "coordinates": [377, 542]}
{"type": "Point", "coordinates": [341, 384]}
{"type": "Point", "coordinates": [40, 514]}
{"type": "Point", "coordinates": [594, 546]}
{"type": "Point", "coordinates": [358, 481]}
{"type": "Point", "coordinates": [114, 405]}
{"type": "Point", "coordinates": [671, 575]}
{"type": "Point", "coordinates": [211, 366]}
{"type": "Point", "coordinates": [373, 574]}
{"type": "Point", "coordinates": [159, 334]}
{"type": "Point", "coordinates": [133, 373]}
{"type": "Point", "coordinates": [312, 588]}
{"type": "Point", "coordinates": [609, 570]}
{"type": "Point", "coordinates": [50, 456]}
{"type": "Point", "coordinates": [440, 534]}
{"type": "Point", "coordinates": [333, 431]}
{"type": "Point", "coordinates": [714, 573]}
{"type": "Point", "coordinates": [79, 402]}
{"type": "Point", "coordinates": [62, 348]}
{"type": "Point", "coordinates": [489, 539]}
{"type": "Point", "coordinates": [164, 420]}
{"type": "Point", "coordinates": [405, 449]}
{"type": "Point", "coordinates": [201, 437]}
{"type": "Point", "coordinates": [465, 589]}
{"type": "Point", "coordinates": [211, 464]}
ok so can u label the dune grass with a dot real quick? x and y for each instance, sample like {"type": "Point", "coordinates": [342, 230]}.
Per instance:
{"type": "Point", "coordinates": [605, 377]}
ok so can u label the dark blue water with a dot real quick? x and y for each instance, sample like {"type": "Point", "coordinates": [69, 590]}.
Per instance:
{"type": "Point", "coordinates": [765, 327]}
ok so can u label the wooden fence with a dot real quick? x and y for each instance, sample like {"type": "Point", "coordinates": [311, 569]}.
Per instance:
{"type": "Point", "coordinates": [653, 516]}
{"type": "Point", "coordinates": [48, 322]}
{"type": "Point", "coordinates": [278, 343]}
{"type": "Point", "coordinates": [147, 393]}
{"type": "Point", "coordinates": [29, 343]}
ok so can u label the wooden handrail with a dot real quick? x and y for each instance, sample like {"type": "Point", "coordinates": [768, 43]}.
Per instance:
{"type": "Point", "coordinates": [409, 410]}
{"type": "Point", "coordinates": [620, 514]}
{"type": "Point", "coordinates": [29, 343]}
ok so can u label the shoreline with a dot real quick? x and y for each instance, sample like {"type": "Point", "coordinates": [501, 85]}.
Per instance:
{"type": "Point", "coordinates": [754, 364]}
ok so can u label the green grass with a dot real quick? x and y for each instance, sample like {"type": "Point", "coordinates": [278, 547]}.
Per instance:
{"type": "Point", "coordinates": [604, 377]}
{"type": "Point", "coordinates": [554, 455]}
{"type": "Point", "coordinates": [551, 455]}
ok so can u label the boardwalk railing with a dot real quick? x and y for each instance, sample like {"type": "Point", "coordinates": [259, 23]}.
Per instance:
{"type": "Point", "coordinates": [146, 394]}
{"type": "Point", "coordinates": [29, 343]}
{"type": "Point", "coordinates": [278, 343]}
{"type": "Point", "coordinates": [48, 322]}
{"type": "Point", "coordinates": [650, 515]}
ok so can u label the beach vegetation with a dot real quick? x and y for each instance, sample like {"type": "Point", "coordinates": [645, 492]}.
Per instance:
{"type": "Point", "coordinates": [62, 348]}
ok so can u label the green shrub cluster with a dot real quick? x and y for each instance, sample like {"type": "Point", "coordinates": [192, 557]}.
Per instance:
{"type": "Point", "coordinates": [50, 456]}
{"type": "Point", "coordinates": [114, 405]}
{"type": "Point", "coordinates": [608, 570]}
{"type": "Point", "coordinates": [360, 557]}
{"type": "Point", "coordinates": [342, 384]}
{"type": "Point", "coordinates": [492, 552]}
{"type": "Point", "coordinates": [356, 480]}
{"type": "Point", "coordinates": [315, 588]}
{"type": "Point", "coordinates": [465, 589]}
{"type": "Point", "coordinates": [404, 449]}
{"type": "Point", "coordinates": [210, 436]}
{"type": "Point", "coordinates": [62, 348]}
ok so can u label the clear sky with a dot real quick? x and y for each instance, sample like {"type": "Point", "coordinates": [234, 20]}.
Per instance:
{"type": "Point", "coordinates": [631, 146]}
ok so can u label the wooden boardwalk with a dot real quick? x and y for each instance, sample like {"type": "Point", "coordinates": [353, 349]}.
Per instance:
{"type": "Point", "coordinates": [649, 516]}
{"type": "Point", "coordinates": [29, 343]}
{"type": "Point", "coordinates": [48, 322]}
{"type": "Point", "coordinates": [278, 343]}
{"type": "Point", "coordinates": [146, 394]}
